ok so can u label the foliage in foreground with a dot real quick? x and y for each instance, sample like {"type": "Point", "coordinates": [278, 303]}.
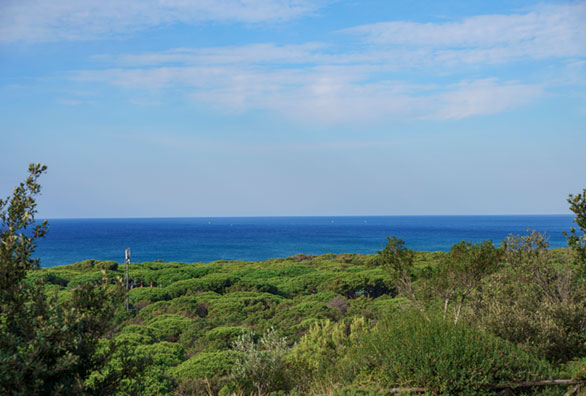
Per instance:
{"type": "Point", "coordinates": [47, 347]}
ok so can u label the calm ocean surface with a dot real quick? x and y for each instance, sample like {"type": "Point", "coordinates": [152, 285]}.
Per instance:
{"type": "Point", "coordinates": [260, 238]}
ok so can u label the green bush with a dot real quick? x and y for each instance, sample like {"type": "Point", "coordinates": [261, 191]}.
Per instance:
{"type": "Point", "coordinates": [146, 331]}
{"type": "Point", "coordinates": [241, 308]}
{"type": "Point", "coordinates": [537, 300]}
{"type": "Point", "coordinates": [151, 294]}
{"type": "Point", "coordinates": [447, 359]}
{"type": "Point", "coordinates": [167, 354]}
{"type": "Point", "coordinates": [216, 282]}
{"type": "Point", "coordinates": [260, 366]}
{"type": "Point", "coordinates": [372, 283]}
{"type": "Point", "coordinates": [222, 337]}
{"type": "Point", "coordinates": [135, 339]}
{"type": "Point", "coordinates": [305, 284]}
{"type": "Point", "coordinates": [83, 278]}
{"type": "Point", "coordinates": [94, 265]}
{"type": "Point", "coordinates": [171, 326]}
{"type": "Point", "coordinates": [185, 306]}
{"type": "Point", "coordinates": [322, 355]}
{"type": "Point", "coordinates": [205, 365]}
{"type": "Point", "coordinates": [166, 276]}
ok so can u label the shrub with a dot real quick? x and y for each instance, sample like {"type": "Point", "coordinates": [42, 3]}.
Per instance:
{"type": "Point", "coordinates": [339, 303]}
{"type": "Point", "coordinates": [56, 280]}
{"type": "Point", "coordinates": [291, 315]}
{"type": "Point", "coordinates": [216, 282]}
{"type": "Point", "coordinates": [151, 294]}
{"type": "Point", "coordinates": [322, 354]}
{"type": "Point", "coordinates": [166, 276]}
{"type": "Point", "coordinates": [205, 365]}
{"type": "Point", "coordinates": [94, 265]}
{"type": "Point", "coordinates": [171, 326]}
{"type": "Point", "coordinates": [260, 366]}
{"type": "Point", "coordinates": [185, 306]}
{"type": "Point", "coordinates": [222, 337]}
{"type": "Point", "coordinates": [254, 285]}
{"type": "Point", "coordinates": [535, 301]}
{"type": "Point", "coordinates": [167, 354]}
{"type": "Point", "coordinates": [90, 277]}
{"type": "Point", "coordinates": [373, 283]}
{"type": "Point", "coordinates": [135, 339]}
{"type": "Point", "coordinates": [241, 308]}
{"type": "Point", "coordinates": [445, 358]}
{"type": "Point", "coordinates": [309, 283]}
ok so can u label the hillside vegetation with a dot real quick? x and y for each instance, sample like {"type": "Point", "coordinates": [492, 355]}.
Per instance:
{"type": "Point", "coordinates": [348, 323]}
{"type": "Point", "coordinates": [477, 320]}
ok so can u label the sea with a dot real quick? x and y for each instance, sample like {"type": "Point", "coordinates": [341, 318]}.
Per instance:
{"type": "Point", "coordinates": [261, 238]}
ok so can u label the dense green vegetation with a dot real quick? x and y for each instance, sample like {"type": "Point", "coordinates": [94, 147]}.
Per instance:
{"type": "Point", "coordinates": [459, 322]}
{"type": "Point", "coordinates": [315, 324]}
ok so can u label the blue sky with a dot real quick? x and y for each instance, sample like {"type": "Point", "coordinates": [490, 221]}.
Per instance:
{"type": "Point", "coordinates": [265, 107]}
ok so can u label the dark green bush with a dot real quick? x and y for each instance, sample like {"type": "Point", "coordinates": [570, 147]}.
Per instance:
{"type": "Point", "coordinates": [186, 306]}
{"type": "Point", "coordinates": [216, 282]}
{"type": "Point", "coordinates": [241, 308]}
{"type": "Point", "coordinates": [83, 278]}
{"type": "Point", "coordinates": [222, 337]}
{"type": "Point", "coordinates": [372, 283]}
{"type": "Point", "coordinates": [94, 265]}
{"type": "Point", "coordinates": [56, 280]}
{"type": "Point", "coordinates": [305, 284]}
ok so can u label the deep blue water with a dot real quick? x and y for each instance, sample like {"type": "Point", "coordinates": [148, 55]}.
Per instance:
{"type": "Point", "coordinates": [260, 238]}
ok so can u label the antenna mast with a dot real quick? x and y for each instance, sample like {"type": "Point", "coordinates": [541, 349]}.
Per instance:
{"type": "Point", "coordinates": [127, 261]}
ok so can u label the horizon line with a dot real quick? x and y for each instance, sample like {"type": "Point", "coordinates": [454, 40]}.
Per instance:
{"type": "Point", "coordinates": [301, 216]}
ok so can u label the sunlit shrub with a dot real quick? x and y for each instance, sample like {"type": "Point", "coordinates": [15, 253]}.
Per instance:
{"type": "Point", "coordinates": [409, 350]}
{"type": "Point", "coordinates": [185, 306]}
{"type": "Point", "coordinates": [322, 355]}
{"type": "Point", "coordinates": [171, 326]}
{"type": "Point", "coordinates": [205, 365]}
{"type": "Point", "coordinates": [167, 354]}
{"type": "Point", "coordinates": [151, 294]}
{"type": "Point", "coordinates": [239, 308]}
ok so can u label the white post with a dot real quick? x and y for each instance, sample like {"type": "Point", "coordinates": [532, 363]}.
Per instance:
{"type": "Point", "coordinates": [127, 261]}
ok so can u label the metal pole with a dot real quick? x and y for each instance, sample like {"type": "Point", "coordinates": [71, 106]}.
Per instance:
{"type": "Point", "coordinates": [127, 261]}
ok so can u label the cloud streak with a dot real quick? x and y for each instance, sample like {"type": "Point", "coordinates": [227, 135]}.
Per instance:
{"type": "Point", "coordinates": [548, 31]}
{"type": "Point", "coordinates": [323, 94]}
{"type": "Point", "coordinates": [376, 78]}
{"type": "Point", "coordinates": [61, 20]}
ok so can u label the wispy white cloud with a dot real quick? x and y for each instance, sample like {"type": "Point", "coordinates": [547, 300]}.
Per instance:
{"type": "Point", "coordinates": [55, 20]}
{"type": "Point", "coordinates": [194, 143]}
{"type": "Point", "coordinates": [257, 53]}
{"type": "Point", "coordinates": [555, 30]}
{"type": "Point", "coordinates": [482, 97]}
{"type": "Point", "coordinates": [334, 94]}
{"type": "Point", "coordinates": [325, 82]}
